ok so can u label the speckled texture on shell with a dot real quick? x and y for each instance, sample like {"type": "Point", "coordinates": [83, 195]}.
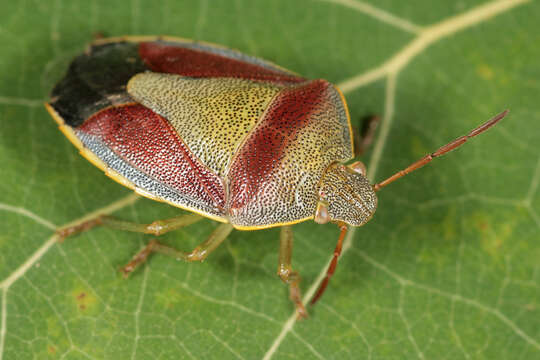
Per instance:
{"type": "Point", "coordinates": [143, 147]}
{"type": "Point", "coordinates": [198, 60]}
{"type": "Point", "coordinates": [212, 116]}
{"type": "Point", "coordinates": [274, 177]}
{"type": "Point", "coordinates": [349, 195]}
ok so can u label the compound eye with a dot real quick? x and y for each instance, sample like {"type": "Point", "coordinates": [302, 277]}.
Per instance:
{"type": "Point", "coordinates": [358, 167]}
{"type": "Point", "coordinates": [321, 214]}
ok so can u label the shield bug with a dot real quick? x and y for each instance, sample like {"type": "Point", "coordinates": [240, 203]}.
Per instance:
{"type": "Point", "coordinates": [222, 134]}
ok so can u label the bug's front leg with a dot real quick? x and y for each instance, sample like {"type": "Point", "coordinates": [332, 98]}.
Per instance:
{"type": "Point", "coordinates": [198, 254]}
{"type": "Point", "coordinates": [286, 272]}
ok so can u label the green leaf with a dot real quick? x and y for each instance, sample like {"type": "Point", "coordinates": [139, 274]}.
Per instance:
{"type": "Point", "coordinates": [447, 268]}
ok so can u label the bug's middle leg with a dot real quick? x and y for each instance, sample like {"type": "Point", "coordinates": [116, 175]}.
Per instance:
{"type": "Point", "coordinates": [198, 254]}
{"type": "Point", "coordinates": [157, 227]}
{"type": "Point", "coordinates": [286, 272]}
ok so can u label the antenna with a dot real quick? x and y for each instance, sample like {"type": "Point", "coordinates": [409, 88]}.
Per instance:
{"type": "Point", "coordinates": [441, 151]}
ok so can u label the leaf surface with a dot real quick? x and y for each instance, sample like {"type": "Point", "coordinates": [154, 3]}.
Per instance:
{"type": "Point", "coordinates": [447, 269]}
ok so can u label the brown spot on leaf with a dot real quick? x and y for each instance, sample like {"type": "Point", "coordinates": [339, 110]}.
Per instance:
{"type": "Point", "coordinates": [84, 300]}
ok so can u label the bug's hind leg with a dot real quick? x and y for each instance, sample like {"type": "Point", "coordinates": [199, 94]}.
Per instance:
{"type": "Point", "coordinates": [364, 137]}
{"type": "Point", "coordinates": [198, 254]}
{"type": "Point", "coordinates": [286, 272]}
{"type": "Point", "coordinates": [157, 227]}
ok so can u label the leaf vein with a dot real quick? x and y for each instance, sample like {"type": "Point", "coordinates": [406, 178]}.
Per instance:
{"type": "Point", "coordinates": [138, 311]}
{"type": "Point", "coordinates": [379, 14]}
{"type": "Point", "coordinates": [7, 100]}
{"type": "Point", "coordinates": [225, 344]}
{"type": "Point", "coordinates": [427, 37]}
{"type": "Point", "coordinates": [453, 297]}
{"type": "Point", "coordinates": [28, 214]}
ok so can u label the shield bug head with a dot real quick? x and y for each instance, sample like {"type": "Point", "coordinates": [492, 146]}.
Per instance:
{"type": "Point", "coordinates": [345, 196]}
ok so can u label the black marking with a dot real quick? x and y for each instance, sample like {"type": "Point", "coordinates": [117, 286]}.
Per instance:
{"type": "Point", "coordinates": [95, 77]}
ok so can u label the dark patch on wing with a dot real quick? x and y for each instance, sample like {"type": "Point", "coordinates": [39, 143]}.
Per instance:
{"type": "Point", "coordinates": [95, 79]}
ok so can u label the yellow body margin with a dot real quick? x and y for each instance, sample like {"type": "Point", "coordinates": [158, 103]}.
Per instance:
{"type": "Point", "coordinates": [90, 156]}
{"type": "Point", "coordinates": [348, 117]}
{"type": "Point", "coordinates": [261, 227]}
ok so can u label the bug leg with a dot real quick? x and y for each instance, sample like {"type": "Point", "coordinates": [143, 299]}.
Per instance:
{"type": "Point", "coordinates": [198, 254]}
{"type": "Point", "coordinates": [333, 264]}
{"type": "Point", "coordinates": [364, 137]}
{"type": "Point", "coordinates": [157, 227]}
{"type": "Point", "coordinates": [286, 272]}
